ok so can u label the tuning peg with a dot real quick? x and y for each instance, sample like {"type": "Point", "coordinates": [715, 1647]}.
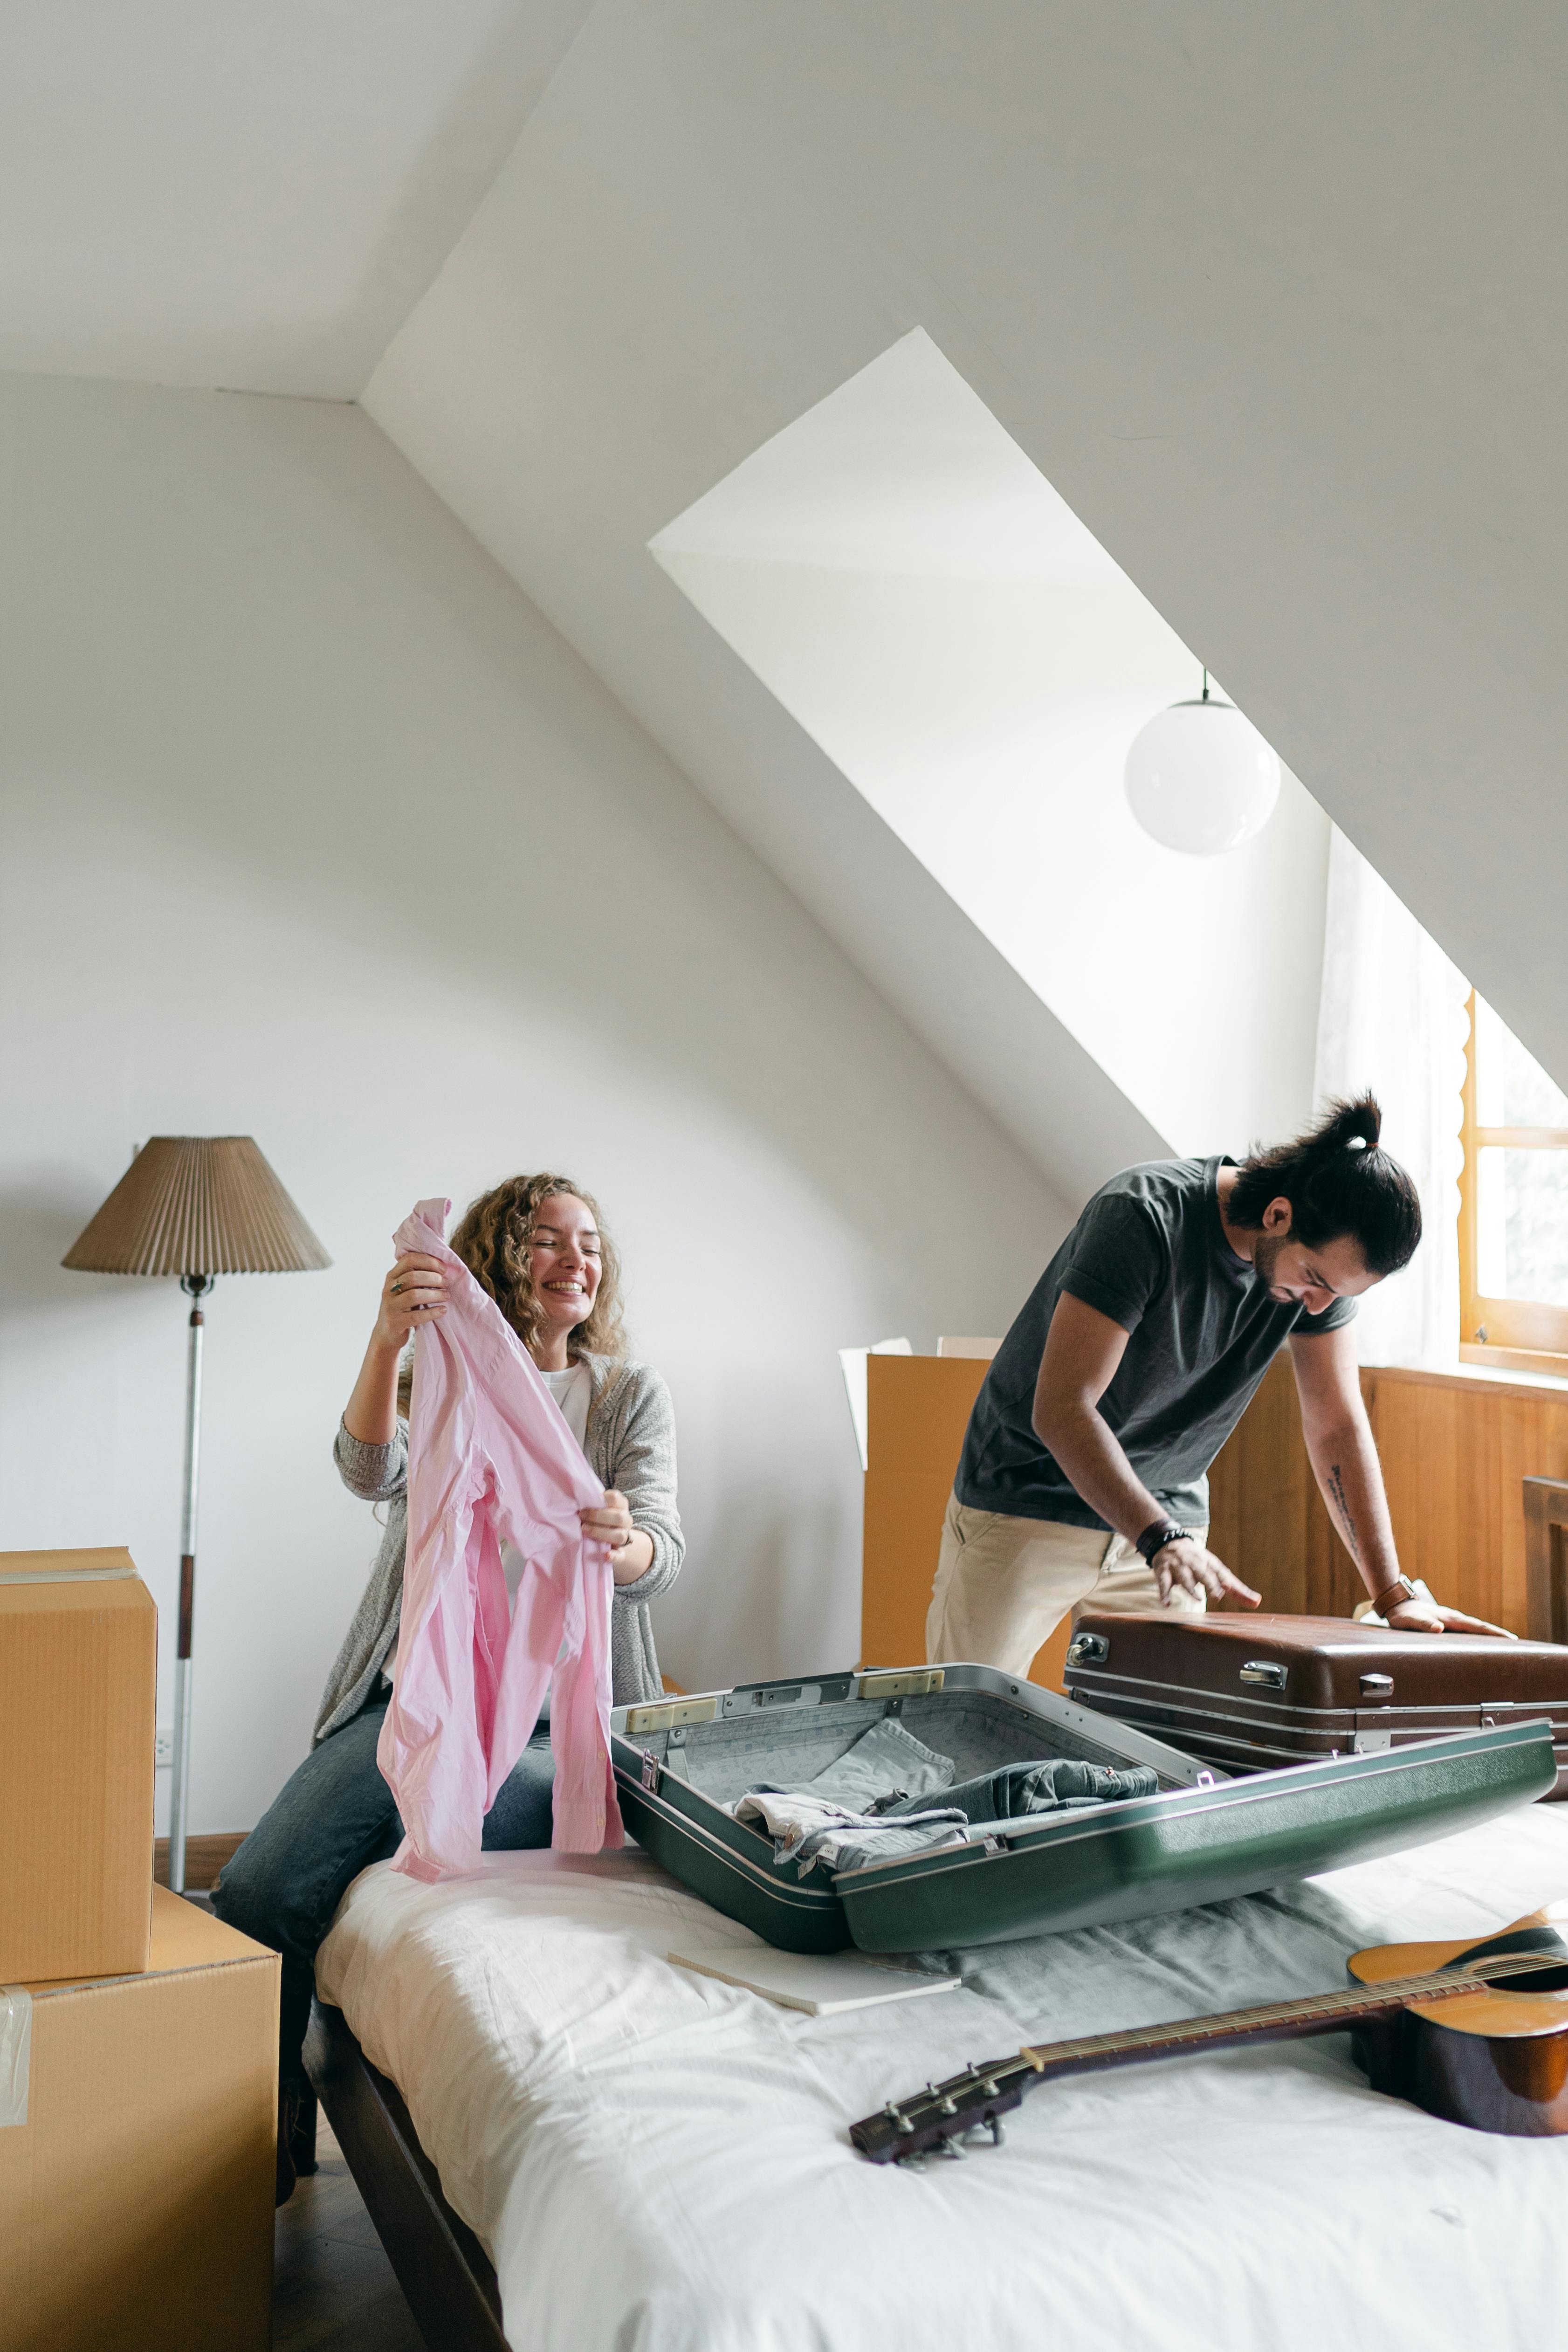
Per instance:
{"type": "Point", "coordinates": [949, 2147]}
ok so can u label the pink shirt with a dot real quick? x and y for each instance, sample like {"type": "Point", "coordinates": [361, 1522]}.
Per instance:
{"type": "Point", "coordinates": [492, 1460]}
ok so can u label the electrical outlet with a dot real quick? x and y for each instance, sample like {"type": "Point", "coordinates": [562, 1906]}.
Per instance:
{"type": "Point", "coordinates": [163, 1749]}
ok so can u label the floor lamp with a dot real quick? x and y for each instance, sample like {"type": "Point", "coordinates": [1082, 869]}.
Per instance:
{"type": "Point", "coordinates": [195, 1206]}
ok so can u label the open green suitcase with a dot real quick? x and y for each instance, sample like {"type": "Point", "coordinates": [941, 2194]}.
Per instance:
{"type": "Point", "coordinates": [1202, 1837]}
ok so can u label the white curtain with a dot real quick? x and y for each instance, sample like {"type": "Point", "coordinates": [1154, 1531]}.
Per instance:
{"type": "Point", "coordinates": [1392, 1017]}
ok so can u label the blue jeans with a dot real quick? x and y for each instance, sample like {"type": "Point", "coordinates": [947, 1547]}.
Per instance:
{"type": "Point", "coordinates": [332, 1818]}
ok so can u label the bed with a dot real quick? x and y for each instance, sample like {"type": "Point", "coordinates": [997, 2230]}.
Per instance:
{"type": "Point", "coordinates": [653, 2161]}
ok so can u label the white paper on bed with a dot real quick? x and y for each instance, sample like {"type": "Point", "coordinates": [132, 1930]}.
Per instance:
{"type": "Point", "coordinates": [658, 2162]}
{"type": "Point", "coordinates": [823, 1984]}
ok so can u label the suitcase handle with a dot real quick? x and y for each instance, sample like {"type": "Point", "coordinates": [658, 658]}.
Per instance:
{"type": "Point", "coordinates": [799, 1690]}
{"type": "Point", "coordinates": [1265, 1673]}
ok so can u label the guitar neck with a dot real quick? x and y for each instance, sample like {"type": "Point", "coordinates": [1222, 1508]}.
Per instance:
{"type": "Point", "coordinates": [1280, 2021]}
{"type": "Point", "coordinates": [981, 2095]}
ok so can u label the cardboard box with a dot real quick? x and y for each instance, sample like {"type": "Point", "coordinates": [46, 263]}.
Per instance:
{"type": "Point", "coordinates": [136, 2182]}
{"type": "Point", "coordinates": [917, 1409]}
{"type": "Point", "coordinates": [79, 1653]}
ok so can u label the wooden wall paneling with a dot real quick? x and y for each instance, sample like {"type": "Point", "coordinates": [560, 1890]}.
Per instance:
{"type": "Point", "coordinates": [1456, 1449]}
{"type": "Point", "coordinates": [1524, 1450]}
{"type": "Point", "coordinates": [206, 1855]}
{"type": "Point", "coordinates": [1418, 1443]}
{"type": "Point", "coordinates": [1266, 1518]}
{"type": "Point", "coordinates": [1485, 1430]}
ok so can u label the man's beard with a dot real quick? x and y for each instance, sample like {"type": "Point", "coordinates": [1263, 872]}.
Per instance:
{"type": "Point", "coordinates": [1265, 1256]}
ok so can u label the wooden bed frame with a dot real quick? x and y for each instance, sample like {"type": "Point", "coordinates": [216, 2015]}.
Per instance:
{"type": "Point", "coordinates": [441, 2266]}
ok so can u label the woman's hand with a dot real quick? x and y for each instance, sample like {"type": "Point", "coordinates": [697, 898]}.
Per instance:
{"type": "Point", "coordinates": [415, 1292]}
{"type": "Point", "coordinates": [631, 1551]}
{"type": "Point", "coordinates": [1188, 1566]}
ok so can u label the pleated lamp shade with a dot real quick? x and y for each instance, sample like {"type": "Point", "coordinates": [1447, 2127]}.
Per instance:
{"type": "Point", "coordinates": [197, 1204]}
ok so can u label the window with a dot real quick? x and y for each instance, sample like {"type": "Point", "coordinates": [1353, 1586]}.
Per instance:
{"type": "Point", "coordinates": [1513, 1214]}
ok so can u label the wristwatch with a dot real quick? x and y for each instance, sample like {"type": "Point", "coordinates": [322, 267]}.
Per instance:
{"type": "Point", "coordinates": [1155, 1538]}
{"type": "Point", "coordinates": [1394, 1595]}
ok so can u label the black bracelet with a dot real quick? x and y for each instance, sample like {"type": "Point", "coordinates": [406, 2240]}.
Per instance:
{"type": "Point", "coordinates": [1156, 1537]}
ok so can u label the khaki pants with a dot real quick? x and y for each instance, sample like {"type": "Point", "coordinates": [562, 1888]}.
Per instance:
{"type": "Point", "coordinates": [1004, 1585]}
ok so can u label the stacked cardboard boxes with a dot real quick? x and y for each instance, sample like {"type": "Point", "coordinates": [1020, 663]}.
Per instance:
{"type": "Point", "coordinates": [138, 2035]}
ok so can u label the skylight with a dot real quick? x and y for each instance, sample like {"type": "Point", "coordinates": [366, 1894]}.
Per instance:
{"type": "Point", "coordinates": [901, 575]}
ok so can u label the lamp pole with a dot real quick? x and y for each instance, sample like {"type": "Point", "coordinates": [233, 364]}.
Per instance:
{"type": "Point", "coordinates": [196, 1287]}
{"type": "Point", "coordinates": [194, 1206]}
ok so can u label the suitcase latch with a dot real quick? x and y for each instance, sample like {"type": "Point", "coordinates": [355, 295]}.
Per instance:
{"type": "Point", "coordinates": [1089, 1650]}
{"type": "Point", "coordinates": [649, 1771]}
{"type": "Point", "coordinates": [660, 1714]}
{"type": "Point", "coordinates": [910, 1682]}
{"type": "Point", "coordinates": [1377, 1687]}
{"type": "Point", "coordinates": [1265, 1674]}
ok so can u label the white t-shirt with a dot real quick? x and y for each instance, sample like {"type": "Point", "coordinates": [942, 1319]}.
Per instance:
{"type": "Point", "coordinates": [573, 1392]}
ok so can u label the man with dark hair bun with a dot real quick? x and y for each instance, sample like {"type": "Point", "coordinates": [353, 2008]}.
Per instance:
{"type": "Point", "coordinates": [1083, 1479]}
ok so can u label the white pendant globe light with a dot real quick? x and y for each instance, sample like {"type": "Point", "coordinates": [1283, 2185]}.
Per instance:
{"type": "Point", "coordinates": [1200, 777]}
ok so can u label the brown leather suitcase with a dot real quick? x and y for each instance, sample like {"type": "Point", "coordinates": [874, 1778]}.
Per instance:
{"type": "Point", "coordinates": [1249, 1694]}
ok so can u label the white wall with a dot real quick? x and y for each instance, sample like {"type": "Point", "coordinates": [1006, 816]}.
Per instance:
{"type": "Point", "coordinates": [314, 830]}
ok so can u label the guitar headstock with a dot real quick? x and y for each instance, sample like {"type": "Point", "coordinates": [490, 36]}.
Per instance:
{"type": "Point", "coordinates": [940, 2117]}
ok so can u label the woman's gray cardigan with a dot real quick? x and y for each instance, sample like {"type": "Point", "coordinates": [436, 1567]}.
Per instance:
{"type": "Point", "coordinates": [629, 1440]}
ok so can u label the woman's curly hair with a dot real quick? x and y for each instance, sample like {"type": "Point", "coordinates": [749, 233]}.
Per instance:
{"type": "Point", "coordinates": [493, 1237]}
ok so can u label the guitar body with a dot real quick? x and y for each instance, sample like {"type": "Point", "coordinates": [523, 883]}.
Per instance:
{"type": "Point", "coordinates": [1495, 2059]}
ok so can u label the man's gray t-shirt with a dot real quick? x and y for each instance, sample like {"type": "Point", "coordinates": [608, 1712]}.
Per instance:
{"type": "Point", "coordinates": [1150, 1252]}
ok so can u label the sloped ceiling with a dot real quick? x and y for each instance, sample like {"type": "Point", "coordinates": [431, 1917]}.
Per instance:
{"type": "Point", "coordinates": [1267, 295]}
{"type": "Point", "coordinates": [1271, 297]}
{"type": "Point", "coordinates": [250, 195]}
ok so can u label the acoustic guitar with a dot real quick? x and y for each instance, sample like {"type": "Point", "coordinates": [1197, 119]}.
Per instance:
{"type": "Point", "coordinates": [1477, 2033]}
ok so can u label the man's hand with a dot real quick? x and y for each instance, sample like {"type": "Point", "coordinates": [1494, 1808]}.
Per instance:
{"type": "Point", "coordinates": [1188, 1565]}
{"type": "Point", "coordinates": [1431, 1617]}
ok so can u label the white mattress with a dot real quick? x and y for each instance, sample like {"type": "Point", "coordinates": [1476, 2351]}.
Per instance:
{"type": "Point", "coordinates": [657, 2162]}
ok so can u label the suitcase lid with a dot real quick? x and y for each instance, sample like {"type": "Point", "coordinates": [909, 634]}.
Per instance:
{"type": "Point", "coordinates": [882, 1689]}
{"type": "Point", "coordinates": [1365, 1805]}
{"type": "Point", "coordinates": [1315, 1662]}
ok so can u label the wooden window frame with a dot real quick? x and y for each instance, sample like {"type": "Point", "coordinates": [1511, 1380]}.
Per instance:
{"type": "Point", "coordinates": [1520, 1335]}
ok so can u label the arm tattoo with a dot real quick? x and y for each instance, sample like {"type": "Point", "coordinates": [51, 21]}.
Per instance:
{"type": "Point", "coordinates": [1337, 1488]}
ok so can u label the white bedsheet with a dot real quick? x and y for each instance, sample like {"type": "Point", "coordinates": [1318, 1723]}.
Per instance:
{"type": "Point", "coordinates": [657, 2162]}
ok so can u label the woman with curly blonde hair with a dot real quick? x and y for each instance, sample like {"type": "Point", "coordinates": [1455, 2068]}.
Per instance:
{"type": "Point", "coordinates": [537, 1245]}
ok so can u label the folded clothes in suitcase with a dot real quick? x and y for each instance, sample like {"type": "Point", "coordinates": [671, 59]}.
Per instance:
{"type": "Point", "coordinates": [682, 1764]}
{"type": "Point", "coordinates": [1247, 1693]}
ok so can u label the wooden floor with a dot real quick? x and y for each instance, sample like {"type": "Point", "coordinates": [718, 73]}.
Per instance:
{"type": "Point", "coordinates": [335, 2291]}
